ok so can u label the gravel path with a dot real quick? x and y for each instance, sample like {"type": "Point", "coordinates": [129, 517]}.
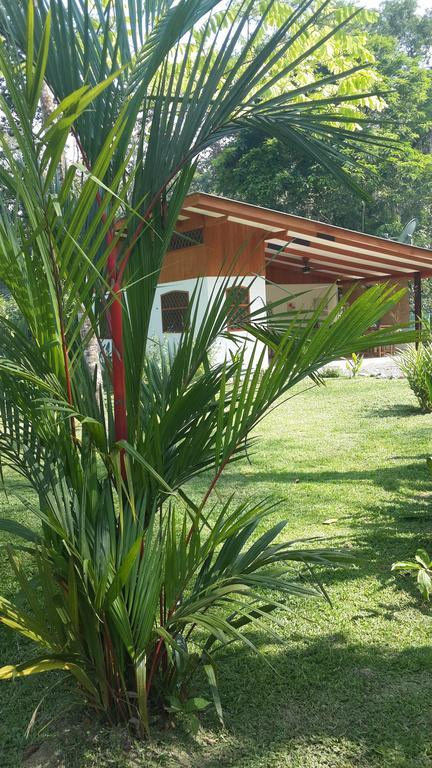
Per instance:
{"type": "Point", "coordinates": [380, 367]}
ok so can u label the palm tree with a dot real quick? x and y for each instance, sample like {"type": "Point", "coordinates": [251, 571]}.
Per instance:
{"type": "Point", "coordinates": [139, 581]}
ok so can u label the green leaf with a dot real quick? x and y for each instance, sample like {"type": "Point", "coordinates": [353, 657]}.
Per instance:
{"type": "Point", "coordinates": [211, 677]}
{"type": "Point", "coordinates": [30, 45]}
{"type": "Point", "coordinates": [97, 431]}
{"type": "Point", "coordinates": [423, 558]}
{"type": "Point", "coordinates": [19, 530]}
{"type": "Point", "coordinates": [424, 581]}
{"type": "Point", "coordinates": [49, 663]}
{"type": "Point", "coordinates": [195, 704]}
{"type": "Point", "coordinates": [122, 574]}
{"type": "Point", "coordinates": [40, 68]}
{"type": "Point", "coordinates": [405, 565]}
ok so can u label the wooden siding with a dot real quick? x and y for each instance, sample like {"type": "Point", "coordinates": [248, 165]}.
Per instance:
{"type": "Point", "coordinates": [355, 255]}
{"type": "Point", "coordinates": [228, 248]}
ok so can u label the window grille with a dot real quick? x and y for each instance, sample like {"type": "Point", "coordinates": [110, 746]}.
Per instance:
{"type": "Point", "coordinates": [175, 305]}
{"type": "Point", "coordinates": [186, 239]}
{"type": "Point", "coordinates": [238, 306]}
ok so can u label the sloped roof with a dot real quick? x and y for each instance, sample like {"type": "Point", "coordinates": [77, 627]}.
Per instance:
{"type": "Point", "coordinates": [334, 252]}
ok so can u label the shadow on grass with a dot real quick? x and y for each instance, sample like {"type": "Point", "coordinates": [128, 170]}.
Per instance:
{"type": "Point", "coordinates": [350, 704]}
{"type": "Point", "coordinates": [389, 478]}
{"type": "Point", "coordinates": [394, 410]}
{"type": "Point", "coordinates": [381, 533]}
{"type": "Point", "coordinates": [369, 700]}
{"type": "Point", "coordinates": [381, 536]}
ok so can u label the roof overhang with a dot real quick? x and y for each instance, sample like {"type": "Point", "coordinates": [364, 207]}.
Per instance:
{"type": "Point", "coordinates": [333, 252]}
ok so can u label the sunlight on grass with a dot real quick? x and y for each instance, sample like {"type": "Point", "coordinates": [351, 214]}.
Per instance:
{"type": "Point", "coordinates": [351, 685]}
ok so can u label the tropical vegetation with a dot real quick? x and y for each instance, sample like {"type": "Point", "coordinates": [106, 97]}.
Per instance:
{"type": "Point", "coordinates": [132, 583]}
{"type": "Point", "coordinates": [260, 170]}
{"type": "Point", "coordinates": [420, 568]}
{"type": "Point", "coordinates": [416, 364]}
{"type": "Point", "coordinates": [338, 685]}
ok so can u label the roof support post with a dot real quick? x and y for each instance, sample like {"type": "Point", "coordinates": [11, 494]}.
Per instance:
{"type": "Point", "coordinates": [417, 303]}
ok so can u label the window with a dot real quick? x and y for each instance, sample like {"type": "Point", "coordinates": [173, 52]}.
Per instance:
{"type": "Point", "coordinates": [239, 306]}
{"type": "Point", "coordinates": [186, 239]}
{"type": "Point", "coordinates": [175, 305]}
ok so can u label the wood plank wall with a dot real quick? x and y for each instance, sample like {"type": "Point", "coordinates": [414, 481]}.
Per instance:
{"type": "Point", "coordinates": [228, 248]}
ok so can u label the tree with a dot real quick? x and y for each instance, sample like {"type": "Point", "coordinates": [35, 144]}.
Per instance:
{"type": "Point", "coordinates": [262, 171]}
{"type": "Point", "coordinates": [136, 583]}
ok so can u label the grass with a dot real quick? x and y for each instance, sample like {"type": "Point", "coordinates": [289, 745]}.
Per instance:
{"type": "Point", "coordinates": [351, 685]}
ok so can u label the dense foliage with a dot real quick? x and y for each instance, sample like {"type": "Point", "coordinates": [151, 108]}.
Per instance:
{"type": "Point", "coordinates": [262, 171]}
{"type": "Point", "coordinates": [135, 581]}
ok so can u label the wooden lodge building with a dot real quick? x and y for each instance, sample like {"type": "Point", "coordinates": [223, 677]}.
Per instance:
{"type": "Point", "coordinates": [276, 255]}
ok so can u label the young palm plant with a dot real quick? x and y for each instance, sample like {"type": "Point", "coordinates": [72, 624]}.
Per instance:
{"type": "Point", "coordinates": [137, 580]}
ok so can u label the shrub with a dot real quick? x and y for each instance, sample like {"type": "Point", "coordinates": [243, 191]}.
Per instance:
{"type": "Point", "coordinates": [330, 372]}
{"type": "Point", "coordinates": [416, 365]}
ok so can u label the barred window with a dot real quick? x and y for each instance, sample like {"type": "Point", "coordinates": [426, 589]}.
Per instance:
{"type": "Point", "coordinates": [186, 239]}
{"type": "Point", "coordinates": [239, 306]}
{"type": "Point", "coordinates": [175, 305]}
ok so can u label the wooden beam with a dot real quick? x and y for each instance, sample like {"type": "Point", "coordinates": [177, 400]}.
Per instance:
{"type": "Point", "coordinates": [386, 279]}
{"type": "Point", "coordinates": [287, 221]}
{"type": "Point", "coordinates": [297, 267]}
{"type": "Point", "coordinates": [381, 263]}
{"type": "Point", "coordinates": [418, 303]}
{"type": "Point", "coordinates": [281, 275]}
{"type": "Point", "coordinates": [346, 263]}
{"type": "Point", "coordinates": [371, 249]}
{"type": "Point", "coordinates": [324, 263]}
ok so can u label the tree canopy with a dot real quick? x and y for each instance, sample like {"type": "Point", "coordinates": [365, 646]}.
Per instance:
{"type": "Point", "coordinates": [398, 179]}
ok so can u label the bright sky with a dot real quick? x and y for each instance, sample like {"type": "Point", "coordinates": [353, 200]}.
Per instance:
{"type": "Point", "coordinates": [422, 5]}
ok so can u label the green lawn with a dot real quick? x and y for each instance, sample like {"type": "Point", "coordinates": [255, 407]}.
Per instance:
{"type": "Point", "coordinates": [350, 685]}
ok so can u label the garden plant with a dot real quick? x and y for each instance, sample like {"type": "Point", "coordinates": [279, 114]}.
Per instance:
{"type": "Point", "coordinates": [134, 579]}
{"type": "Point", "coordinates": [420, 568]}
{"type": "Point", "coordinates": [354, 364]}
{"type": "Point", "coordinates": [416, 365]}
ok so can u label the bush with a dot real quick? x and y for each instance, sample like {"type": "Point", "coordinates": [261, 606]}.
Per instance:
{"type": "Point", "coordinates": [416, 365]}
{"type": "Point", "coordinates": [330, 373]}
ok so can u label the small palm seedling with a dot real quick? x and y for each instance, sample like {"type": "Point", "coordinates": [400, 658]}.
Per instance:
{"type": "Point", "coordinates": [354, 364]}
{"type": "Point", "coordinates": [420, 568]}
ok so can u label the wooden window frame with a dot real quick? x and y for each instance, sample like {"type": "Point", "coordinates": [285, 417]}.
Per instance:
{"type": "Point", "coordinates": [183, 308]}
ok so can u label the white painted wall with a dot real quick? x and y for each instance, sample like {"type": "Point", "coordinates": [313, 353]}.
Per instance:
{"type": "Point", "coordinates": [297, 297]}
{"type": "Point", "coordinates": [301, 297]}
{"type": "Point", "coordinates": [223, 348]}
